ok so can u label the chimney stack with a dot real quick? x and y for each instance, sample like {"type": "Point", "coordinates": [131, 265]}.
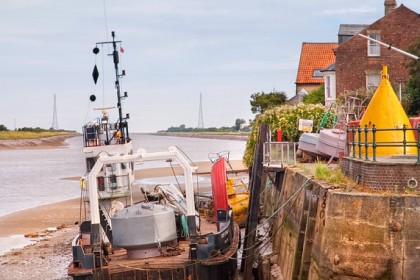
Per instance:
{"type": "Point", "coordinates": [390, 5]}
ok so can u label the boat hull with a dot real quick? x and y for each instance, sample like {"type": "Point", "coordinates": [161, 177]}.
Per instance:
{"type": "Point", "coordinates": [179, 267]}
{"type": "Point", "coordinates": [307, 144]}
{"type": "Point", "coordinates": [331, 142]}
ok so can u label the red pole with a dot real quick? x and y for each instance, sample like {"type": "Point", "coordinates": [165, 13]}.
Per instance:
{"type": "Point", "coordinates": [279, 135]}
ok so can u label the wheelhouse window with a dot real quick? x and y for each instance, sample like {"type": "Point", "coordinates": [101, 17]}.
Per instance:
{"type": "Point", "coordinates": [374, 49]}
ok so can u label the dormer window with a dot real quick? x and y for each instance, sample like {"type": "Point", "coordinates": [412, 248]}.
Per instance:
{"type": "Point", "coordinates": [374, 49]}
{"type": "Point", "coordinates": [317, 73]}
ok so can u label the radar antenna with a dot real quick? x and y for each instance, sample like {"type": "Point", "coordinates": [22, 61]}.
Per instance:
{"type": "Point", "coordinates": [105, 114]}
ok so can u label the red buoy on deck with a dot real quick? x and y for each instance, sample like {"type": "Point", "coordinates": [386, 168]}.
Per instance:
{"type": "Point", "coordinates": [218, 186]}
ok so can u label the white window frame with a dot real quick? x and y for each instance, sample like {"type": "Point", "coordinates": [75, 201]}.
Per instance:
{"type": "Point", "coordinates": [373, 79]}
{"type": "Point", "coordinates": [374, 49]}
{"type": "Point", "coordinates": [328, 86]}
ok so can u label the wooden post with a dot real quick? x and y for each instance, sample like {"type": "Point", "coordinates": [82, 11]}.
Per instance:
{"type": "Point", "coordinates": [254, 201]}
{"type": "Point", "coordinates": [301, 235]}
{"type": "Point", "coordinates": [309, 234]}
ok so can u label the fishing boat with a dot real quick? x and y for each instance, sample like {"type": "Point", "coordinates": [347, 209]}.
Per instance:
{"type": "Point", "coordinates": [164, 238]}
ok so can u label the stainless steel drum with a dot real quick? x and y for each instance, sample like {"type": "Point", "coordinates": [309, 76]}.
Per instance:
{"type": "Point", "coordinates": [144, 229]}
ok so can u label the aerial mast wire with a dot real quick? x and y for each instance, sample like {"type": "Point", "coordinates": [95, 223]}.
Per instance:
{"type": "Point", "coordinates": [103, 63]}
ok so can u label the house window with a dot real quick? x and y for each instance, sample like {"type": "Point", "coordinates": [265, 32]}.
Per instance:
{"type": "Point", "coordinates": [374, 49]}
{"type": "Point", "coordinates": [328, 86]}
{"type": "Point", "coordinates": [317, 73]}
{"type": "Point", "coordinates": [373, 78]}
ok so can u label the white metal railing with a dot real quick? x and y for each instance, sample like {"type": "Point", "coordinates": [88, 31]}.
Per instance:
{"type": "Point", "coordinates": [279, 153]}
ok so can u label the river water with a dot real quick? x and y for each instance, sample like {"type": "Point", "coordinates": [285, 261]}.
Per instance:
{"type": "Point", "coordinates": [31, 178]}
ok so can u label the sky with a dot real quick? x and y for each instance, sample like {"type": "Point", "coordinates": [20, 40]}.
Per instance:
{"type": "Point", "coordinates": [174, 51]}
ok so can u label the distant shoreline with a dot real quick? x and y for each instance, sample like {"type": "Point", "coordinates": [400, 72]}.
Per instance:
{"type": "Point", "coordinates": [59, 140]}
{"type": "Point", "coordinates": [36, 143]}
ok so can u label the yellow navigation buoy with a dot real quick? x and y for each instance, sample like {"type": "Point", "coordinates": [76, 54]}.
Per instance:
{"type": "Point", "coordinates": [82, 183]}
{"type": "Point", "coordinates": [386, 111]}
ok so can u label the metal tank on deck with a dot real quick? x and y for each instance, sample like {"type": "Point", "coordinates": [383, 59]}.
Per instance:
{"type": "Point", "coordinates": [144, 229]}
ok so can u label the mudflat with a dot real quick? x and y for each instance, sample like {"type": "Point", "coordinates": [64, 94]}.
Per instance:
{"type": "Point", "coordinates": [36, 143]}
{"type": "Point", "coordinates": [48, 258]}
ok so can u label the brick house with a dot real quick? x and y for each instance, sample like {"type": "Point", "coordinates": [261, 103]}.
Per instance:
{"type": "Point", "coordinates": [330, 94]}
{"type": "Point", "coordinates": [359, 62]}
{"type": "Point", "coordinates": [313, 58]}
{"type": "Point", "coordinates": [345, 33]}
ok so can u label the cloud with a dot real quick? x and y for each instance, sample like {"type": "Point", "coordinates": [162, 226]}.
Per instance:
{"type": "Point", "coordinates": [349, 11]}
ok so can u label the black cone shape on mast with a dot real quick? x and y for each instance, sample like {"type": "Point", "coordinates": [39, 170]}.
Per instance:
{"type": "Point", "coordinates": [122, 123]}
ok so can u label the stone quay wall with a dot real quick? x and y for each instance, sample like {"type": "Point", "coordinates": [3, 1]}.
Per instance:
{"type": "Point", "coordinates": [322, 232]}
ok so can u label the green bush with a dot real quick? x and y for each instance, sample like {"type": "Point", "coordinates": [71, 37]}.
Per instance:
{"type": "Point", "coordinates": [287, 118]}
{"type": "Point", "coordinates": [3, 128]}
{"type": "Point", "coordinates": [317, 96]}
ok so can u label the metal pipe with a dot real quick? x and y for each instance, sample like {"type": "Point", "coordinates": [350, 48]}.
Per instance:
{"type": "Point", "coordinates": [140, 156]}
{"type": "Point", "coordinates": [366, 142]}
{"type": "Point", "coordinates": [390, 47]}
{"type": "Point", "coordinates": [404, 139]}
{"type": "Point", "coordinates": [353, 131]}
{"type": "Point", "coordinates": [359, 132]}
{"type": "Point", "coordinates": [374, 141]}
{"type": "Point", "coordinates": [418, 144]}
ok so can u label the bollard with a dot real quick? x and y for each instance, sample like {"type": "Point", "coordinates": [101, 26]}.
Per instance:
{"type": "Point", "coordinates": [279, 135]}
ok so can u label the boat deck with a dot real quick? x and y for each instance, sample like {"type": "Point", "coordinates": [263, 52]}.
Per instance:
{"type": "Point", "coordinates": [178, 265]}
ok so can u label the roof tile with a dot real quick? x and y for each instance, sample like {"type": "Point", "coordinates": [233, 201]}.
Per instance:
{"type": "Point", "coordinates": [314, 56]}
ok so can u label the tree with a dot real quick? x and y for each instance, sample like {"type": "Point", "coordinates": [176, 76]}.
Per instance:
{"type": "Point", "coordinates": [3, 128]}
{"type": "Point", "coordinates": [238, 123]}
{"type": "Point", "coordinates": [413, 86]}
{"type": "Point", "coordinates": [317, 96]}
{"type": "Point", "coordinates": [261, 101]}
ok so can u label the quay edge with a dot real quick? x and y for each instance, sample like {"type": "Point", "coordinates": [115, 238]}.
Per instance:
{"type": "Point", "coordinates": [329, 233]}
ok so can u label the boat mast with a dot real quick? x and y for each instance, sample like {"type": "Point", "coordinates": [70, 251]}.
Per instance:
{"type": "Point", "coordinates": [117, 85]}
{"type": "Point", "coordinates": [122, 121]}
